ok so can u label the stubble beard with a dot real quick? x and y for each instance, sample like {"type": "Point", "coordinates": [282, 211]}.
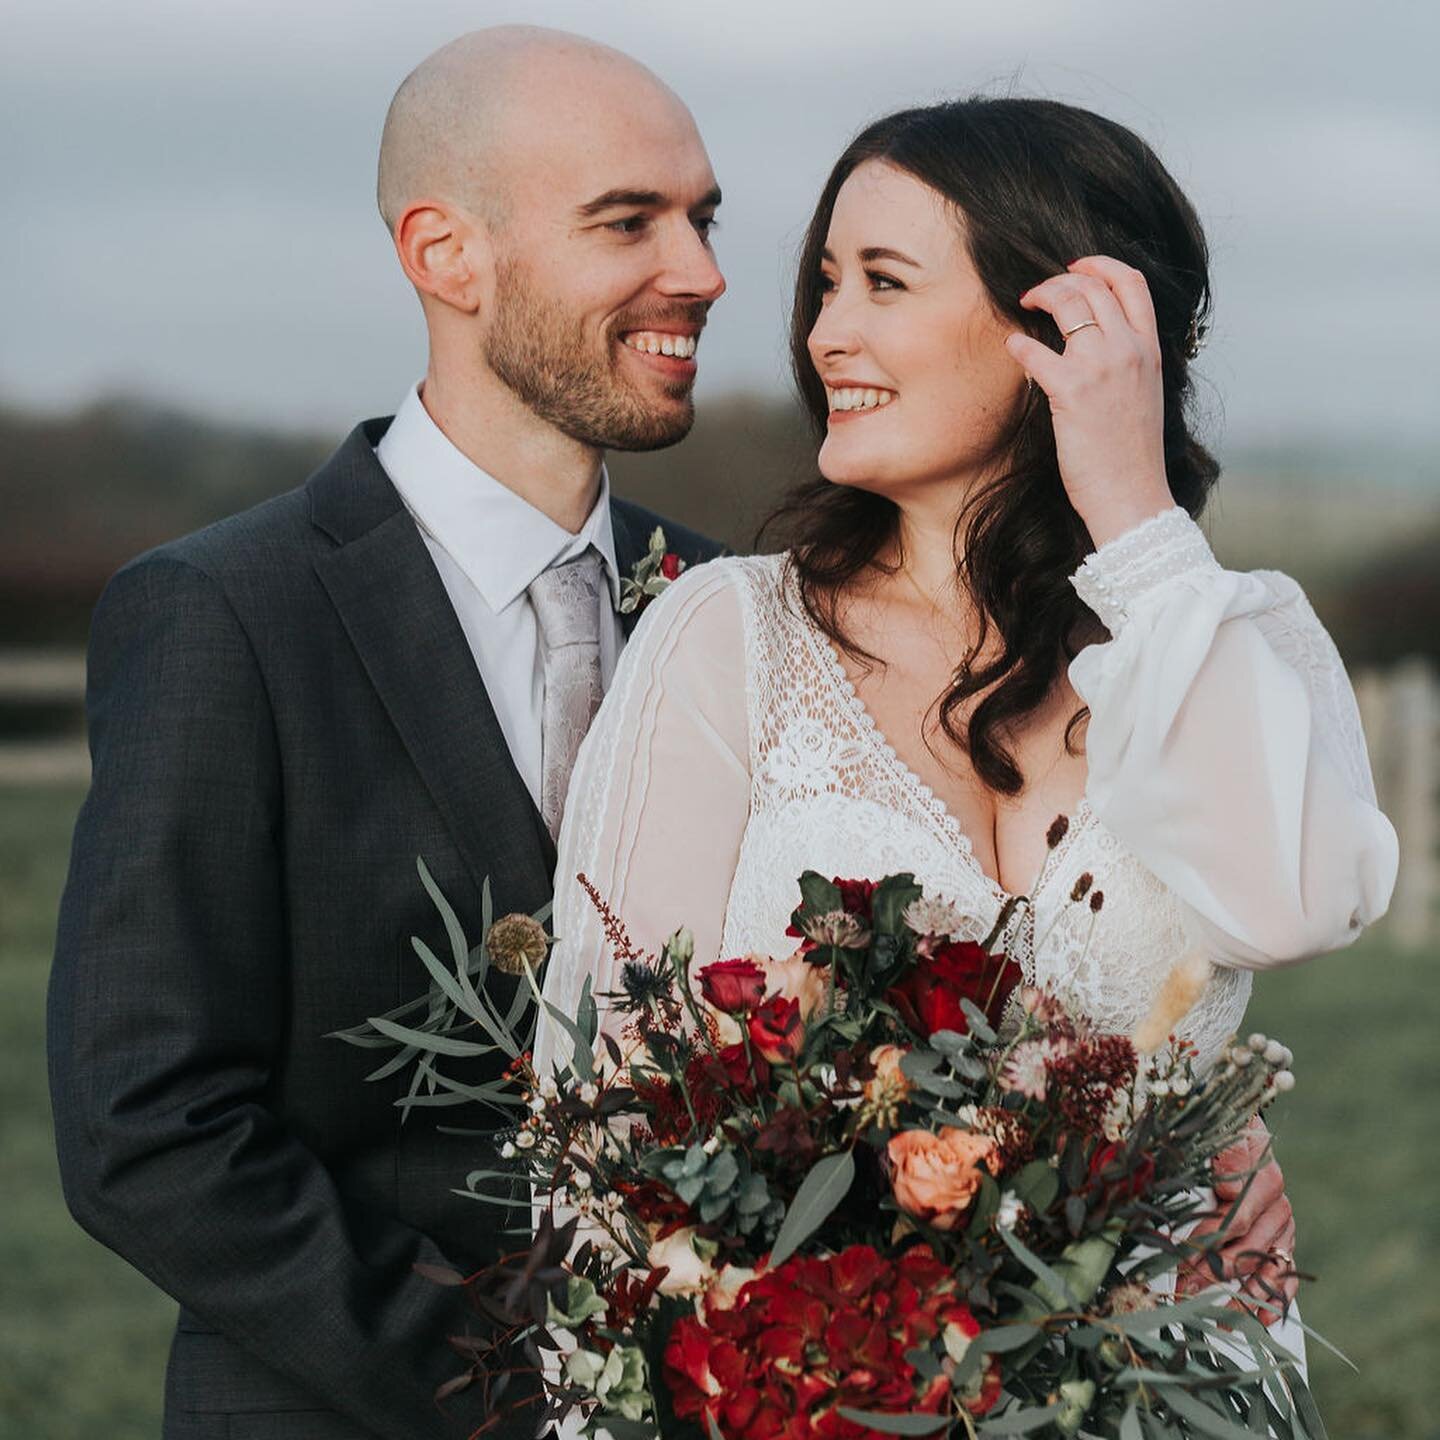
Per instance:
{"type": "Point", "coordinates": [537, 350]}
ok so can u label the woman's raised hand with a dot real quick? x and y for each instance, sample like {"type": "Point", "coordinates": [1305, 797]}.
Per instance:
{"type": "Point", "coordinates": [1105, 393]}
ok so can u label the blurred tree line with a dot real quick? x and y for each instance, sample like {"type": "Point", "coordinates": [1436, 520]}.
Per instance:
{"type": "Point", "coordinates": [83, 492]}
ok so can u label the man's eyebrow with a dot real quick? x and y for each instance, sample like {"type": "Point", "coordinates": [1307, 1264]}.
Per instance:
{"type": "Point", "coordinates": [639, 200]}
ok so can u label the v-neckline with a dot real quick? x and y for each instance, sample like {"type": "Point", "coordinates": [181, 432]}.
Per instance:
{"type": "Point", "coordinates": [924, 794]}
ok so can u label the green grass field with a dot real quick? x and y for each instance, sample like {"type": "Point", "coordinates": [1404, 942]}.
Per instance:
{"type": "Point", "coordinates": [83, 1338]}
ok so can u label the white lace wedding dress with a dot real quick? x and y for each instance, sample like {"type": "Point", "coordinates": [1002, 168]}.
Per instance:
{"type": "Point", "coordinates": [1228, 804]}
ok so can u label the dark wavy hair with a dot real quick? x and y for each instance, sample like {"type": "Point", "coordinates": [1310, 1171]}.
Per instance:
{"type": "Point", "coordinates": [1035, 184]}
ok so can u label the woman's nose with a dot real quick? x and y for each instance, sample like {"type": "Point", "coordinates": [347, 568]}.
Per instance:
{"type": "Point", "coordinates": [832, 336]}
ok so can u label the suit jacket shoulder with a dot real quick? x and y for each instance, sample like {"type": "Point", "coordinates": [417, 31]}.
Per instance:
{"type": "Point", "coordinates": [690, 545]}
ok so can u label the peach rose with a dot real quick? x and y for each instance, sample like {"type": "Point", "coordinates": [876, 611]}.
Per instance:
{"type": "Point", "coordinates": [935, 1177]}
{"type": "Point", "coordinates": [793, 978]}
{"type": "Point", "coordinates": [689, 1274]}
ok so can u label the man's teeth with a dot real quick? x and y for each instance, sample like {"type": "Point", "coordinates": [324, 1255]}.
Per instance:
{"type": "Point", "coordinates": [657, 342]}
{"type": "Point", "coordinates": [856, 399]}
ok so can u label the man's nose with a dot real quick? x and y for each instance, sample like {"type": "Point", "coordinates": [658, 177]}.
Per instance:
{"type": "Point", "coordinates": [690, 268]}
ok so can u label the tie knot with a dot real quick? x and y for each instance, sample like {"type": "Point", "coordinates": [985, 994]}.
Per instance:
{"type": "Point", "coordinates": [567, 601]}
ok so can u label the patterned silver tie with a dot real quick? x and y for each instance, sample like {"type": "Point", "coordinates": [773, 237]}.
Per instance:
{"type": "Point", "coordinates": [567, 605]}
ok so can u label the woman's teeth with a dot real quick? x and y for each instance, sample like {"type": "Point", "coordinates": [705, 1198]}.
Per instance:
{"type": "Point", "coordinates": [657, 342]}
{"type": "Point", "coordinates": [858, 399]}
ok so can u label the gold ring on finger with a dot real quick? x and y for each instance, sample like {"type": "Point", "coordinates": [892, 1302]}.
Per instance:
{"type": "Point", "coordinates": [1285, 1257]}
{"type": "Point", "coordinates": [1066, 334]}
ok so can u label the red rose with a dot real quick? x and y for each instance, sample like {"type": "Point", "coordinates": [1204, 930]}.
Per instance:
{"type": "Point", "coordinates": [1115, 1183]}
{"type": "Point", "coordinates": [776, 1029]}
{"type": "Point", "coordinates": [671, 566]}
{"type": "Point", "coordinates": [734, 986]}
{"type": "Point", "coordinates": [855, 896]}
{"type": "Point", "coordinates": [733, 1071]}
{"type": "Point", "coordinates": [929, 995]}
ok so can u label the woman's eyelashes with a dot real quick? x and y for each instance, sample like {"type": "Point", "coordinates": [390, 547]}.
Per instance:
{"type": "Point", "coordinates": [878, 281]}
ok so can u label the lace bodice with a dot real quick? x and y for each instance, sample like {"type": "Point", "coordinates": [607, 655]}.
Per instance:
{"type": "Point", "coordinates": [1228, 802]}
{"type": "Point", "coordinates": [829, 793]}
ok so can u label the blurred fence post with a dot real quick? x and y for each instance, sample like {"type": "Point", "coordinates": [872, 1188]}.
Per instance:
{"type": "Point", "coordinates": [1400, 709]}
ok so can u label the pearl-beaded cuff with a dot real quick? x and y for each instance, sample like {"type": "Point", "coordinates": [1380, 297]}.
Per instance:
{"type": "Point", "coordinates": [1114, 579]}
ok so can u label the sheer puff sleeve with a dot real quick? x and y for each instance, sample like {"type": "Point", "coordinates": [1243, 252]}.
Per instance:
{"type": "Point", "coordinates": [1224, 748]}
{"type": "Point", "coordinates": [659, 797]}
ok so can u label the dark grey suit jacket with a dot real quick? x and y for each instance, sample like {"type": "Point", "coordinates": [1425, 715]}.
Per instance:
{"type": "Point", "coordinates": [283, 714]}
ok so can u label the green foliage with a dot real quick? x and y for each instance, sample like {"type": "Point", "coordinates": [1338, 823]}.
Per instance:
{"type": "Point", "coordinates": [826, 1185]}
{"type": "Point", "coordinates": [454, 1004]}
{"type": "Point", "coordinates": [717, 1185]}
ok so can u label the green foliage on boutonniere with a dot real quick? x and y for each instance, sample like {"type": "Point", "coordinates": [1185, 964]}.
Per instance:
{"type": "Point", "coordinates": [651, 576]}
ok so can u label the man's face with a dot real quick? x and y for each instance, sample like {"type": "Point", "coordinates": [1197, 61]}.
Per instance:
{"type": "Point", "coordinates": [604, 265]}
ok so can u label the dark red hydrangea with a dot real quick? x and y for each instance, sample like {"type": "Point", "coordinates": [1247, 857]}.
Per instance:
{"type": "Point", "coordinates": [818, 1334]}
{"type": "Point", "coordinates": [929, 995]}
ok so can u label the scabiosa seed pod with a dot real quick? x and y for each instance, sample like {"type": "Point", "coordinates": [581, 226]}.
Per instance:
{"type": "Point", "coordinates": [1059, 828]}
{"type": "Point", "coordinates": [516, 943]}
{"type": "Point", "coordinates": [1082, 887]}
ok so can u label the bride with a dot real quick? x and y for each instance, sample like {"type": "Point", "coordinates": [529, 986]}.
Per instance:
{"type": "Point", "coordinates": [997, 650]}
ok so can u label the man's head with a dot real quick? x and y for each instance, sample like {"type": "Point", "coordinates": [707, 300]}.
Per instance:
{"type": "Point", "coordinates": [551, 202]}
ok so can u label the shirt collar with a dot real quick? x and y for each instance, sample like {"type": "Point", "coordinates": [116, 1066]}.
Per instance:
{"type": "Point", "coordinates": [501, 541]}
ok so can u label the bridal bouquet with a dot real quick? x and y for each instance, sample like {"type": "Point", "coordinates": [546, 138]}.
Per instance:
{"type": "Point", "coordinates": [876, 1187]}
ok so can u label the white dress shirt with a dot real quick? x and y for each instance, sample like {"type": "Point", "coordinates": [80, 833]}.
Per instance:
{"type": "Point", "coordinates": [488, 545]}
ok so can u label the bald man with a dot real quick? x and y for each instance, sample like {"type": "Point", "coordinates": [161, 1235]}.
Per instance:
{"type": "Point", "coordinates": [289, 707]}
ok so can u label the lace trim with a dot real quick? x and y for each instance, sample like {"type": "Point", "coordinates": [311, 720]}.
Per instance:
{"type": "Point", "coordinates": [1122, 571]}
{"type": "Point", "coordinates": [823, 650]}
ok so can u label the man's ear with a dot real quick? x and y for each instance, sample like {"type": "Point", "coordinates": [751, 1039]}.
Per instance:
{"type": "Point", "coordinates": [446, 254]}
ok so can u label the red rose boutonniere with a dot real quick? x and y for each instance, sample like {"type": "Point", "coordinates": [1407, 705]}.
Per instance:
{"type": "Point", "coordinates": [651, 576]}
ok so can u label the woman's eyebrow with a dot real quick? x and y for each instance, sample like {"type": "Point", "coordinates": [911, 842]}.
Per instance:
{"type": "Point", "coordinates": [876, 252]}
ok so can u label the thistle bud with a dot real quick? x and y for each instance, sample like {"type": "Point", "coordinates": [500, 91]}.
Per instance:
{"type": "Point", "coordinates": [516, 943]}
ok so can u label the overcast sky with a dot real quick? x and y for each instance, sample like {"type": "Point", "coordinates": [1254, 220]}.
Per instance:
{"type": "Point", "coordinates": [188, 211]}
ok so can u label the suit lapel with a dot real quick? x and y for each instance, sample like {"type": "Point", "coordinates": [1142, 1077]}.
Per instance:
{"type": "Point", "coordinates": [630, 548]}
{"type": "Point", "coordinates": [394, 608]}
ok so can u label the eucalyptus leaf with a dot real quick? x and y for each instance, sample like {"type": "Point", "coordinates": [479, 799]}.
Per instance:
{"type": "Point", "coordinates": [1037, 1185]}
{"type": "Point", "coordinates": [584, 1058]}
{"type": "Point", "coordinates": [421, 1040]}
{"type": "Point", "coordinates": [1203, 1418]}
{"type": "Point", "coordinates": [453, 928]}
{"type": "Point", "coordinates": [826, 1185]}
{"type": "Point", "coordinates": [1022, 1422]}
{"type": "Point", "coordinates": [894, 1424]}
{"type": "Point", "coordinates": [1055, 1292]}
{"type": "Point", "coordinates": [1001, 1339]}
{"type": "Point", "coordinates": [398, 1061]}
{"type": "Point", "coordinates": [980, 1027]}
{"type": "Point", "coordinates": [442, 977]}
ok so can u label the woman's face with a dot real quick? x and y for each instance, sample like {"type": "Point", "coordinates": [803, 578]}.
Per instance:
{"type": "Point", "coordinates": [911, 352]}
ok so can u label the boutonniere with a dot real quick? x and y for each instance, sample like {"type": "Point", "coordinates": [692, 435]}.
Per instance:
{"type": "Point", "coordinates": [651, 575]}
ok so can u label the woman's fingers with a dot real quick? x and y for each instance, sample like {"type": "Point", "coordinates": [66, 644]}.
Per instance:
{"type": "Point", "coordinates": [1072, 299]}
{"type": "Point", "coordinates": [1129, 288]}
{"type": "Point", "coordinates": [1038, 361]}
